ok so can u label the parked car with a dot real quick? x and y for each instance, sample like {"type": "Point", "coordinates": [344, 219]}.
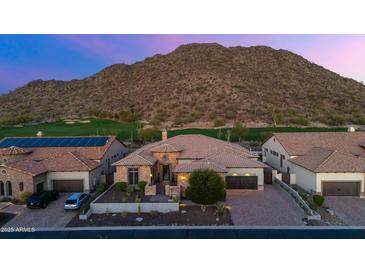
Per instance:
{"type": "Point", "coordinates": [76, 200]}
{"type": "Point", "coordinates": [42, 199]}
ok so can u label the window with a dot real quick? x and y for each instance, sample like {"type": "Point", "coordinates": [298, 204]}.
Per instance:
{"type": "Point", "coordinates": [21, 186]}
{"type": "Point", "coordinates": [282, 157]}
{"type": "Point", "coordinates": [3, 171]}
{"type": "Point", "coordinates": [2, 189]}
{"type": "Point", "coordinates": [10, 188]}
{"type": "Point", "coordinates": [132, 176]}
{"type": "Point", "coordinates": [5, 160]}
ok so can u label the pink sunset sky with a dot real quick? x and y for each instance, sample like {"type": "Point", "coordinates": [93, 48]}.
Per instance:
{"type": "Point", "coordinates": [24, 58]}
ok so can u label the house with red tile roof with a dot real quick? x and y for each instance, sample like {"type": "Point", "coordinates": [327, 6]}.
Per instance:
{"type": "Point", "coordinates": [328, 163]}
{"type": "Point", "coordinates": [171, 161]}
{"type": "Point", "coordinates": [64, 164]}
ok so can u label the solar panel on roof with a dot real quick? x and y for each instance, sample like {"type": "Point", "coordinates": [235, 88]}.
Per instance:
{"type": "Point", "coordinates": [54, 142]}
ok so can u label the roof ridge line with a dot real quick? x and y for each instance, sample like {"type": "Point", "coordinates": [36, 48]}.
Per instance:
{"type": "Point", "coordinates": [144, 158]}
{"type": "Point", "coordinates": [77, 158]}
{"type": "Point", "coordinates": [328, 157]}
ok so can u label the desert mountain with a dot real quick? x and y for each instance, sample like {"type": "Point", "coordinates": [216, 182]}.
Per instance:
{"type": "Point", "coordinates": [199, 82]}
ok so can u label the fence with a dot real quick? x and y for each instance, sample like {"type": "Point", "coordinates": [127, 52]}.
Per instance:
{"type": "Point", "coordinates": [311, 214]}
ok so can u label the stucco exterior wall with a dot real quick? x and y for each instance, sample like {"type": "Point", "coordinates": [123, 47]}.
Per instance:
{"type": "Point", "coordinates": [305, 178]}
{"type": "Point", "coordinates": [143, 173]}
{"type": "Point", "coordinates": [115, 152]}
{"type": "Point", "coordinates": [274, 161]}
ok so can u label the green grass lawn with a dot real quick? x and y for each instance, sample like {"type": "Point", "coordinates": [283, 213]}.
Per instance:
{"type": "Point", "coordinates": [125, 130]}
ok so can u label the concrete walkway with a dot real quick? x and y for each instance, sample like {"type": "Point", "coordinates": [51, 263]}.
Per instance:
{"type": "Point", "coordinates": [271, 207]}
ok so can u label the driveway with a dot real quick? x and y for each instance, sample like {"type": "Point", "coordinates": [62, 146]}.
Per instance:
{"type": "Point", "coordinates": [351, 210]}
{"type": "Point", "coordinates": [52, 216]}
{"type": "Point", "coordinates": [271, 207]}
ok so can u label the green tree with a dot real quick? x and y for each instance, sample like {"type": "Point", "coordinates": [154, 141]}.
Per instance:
{"type": "Point", "coordinates": [148, 134]}
{"type": "Point", "coordinates": [238, 130]}
{"type": "Point", "coordinates": [205, 187]}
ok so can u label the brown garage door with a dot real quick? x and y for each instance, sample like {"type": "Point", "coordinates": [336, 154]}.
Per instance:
{"type": "Point", "coordinates": [341, 188]}
{"type": "Point", "coordinates": [68, 185]}
{"type": "Point", "coordinates": [241, 182]}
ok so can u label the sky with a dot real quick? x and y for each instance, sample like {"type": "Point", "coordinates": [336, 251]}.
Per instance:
{"type": "Point", "coordinates": [24, 58]}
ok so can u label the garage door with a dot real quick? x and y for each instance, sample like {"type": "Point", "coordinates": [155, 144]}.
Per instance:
{"type": "Point", "coordinates": [68, 185]}
{"type": "Point", "coordinates": [241, 182]}
{"type": "Point", "coordinates": [341, 188]}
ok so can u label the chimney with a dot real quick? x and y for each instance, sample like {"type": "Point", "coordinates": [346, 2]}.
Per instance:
{"type": "Point", "coordinates": [164, 135]}
{"type": "Point", "coordinates": [39, 134]}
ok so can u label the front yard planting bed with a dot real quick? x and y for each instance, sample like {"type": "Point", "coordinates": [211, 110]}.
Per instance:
{"type": "Point", "coordinates": [5, 217]}
{"type": "Point", "coordinates": [187, 216]}
{"type": "Point", "coordinates": [114, 196]}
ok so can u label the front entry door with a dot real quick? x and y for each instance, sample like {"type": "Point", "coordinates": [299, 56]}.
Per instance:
{"type": "Point", "coordinates": [166, 173]}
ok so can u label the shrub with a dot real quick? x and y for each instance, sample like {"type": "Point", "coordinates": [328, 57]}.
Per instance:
{"type": "Point", "coordinates": [101, 188]}
{"type": "Point", "coordinates": [218, 122]}
{"type": "Point", "coordinates": [121, 186]}
{"type": "Point", "coordinates": [221, 209]}
{"type": "Point", "coordinates": [318, 199]}
{"type": "Point", "coordinates": [130, 190]}
{"type": "Point", "coordinates": [24, 196]}
{"type": "Point", "coordinates": [142, 185]}
{"type": "Point", "coordinates": [153, 213]}
{"type": "Point", "coordinates": [313, 206]}
{"type": "Point", "coordinates": [205, 187]}
{"type": "Point", "coordinates": [138, 199]}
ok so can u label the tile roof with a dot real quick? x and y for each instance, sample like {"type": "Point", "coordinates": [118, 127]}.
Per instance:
{"type": "Point", "coordinates": [232, 159]}
{"type": "Point", "coordinates": [70, 161]}
{"type": "Point", "coordinates": [28, 166]}
{"type": "Point", "coordinates": [199, 164]}
{"type": "Point", "coordinates": [14, 151]}
{"type": "Point", "coordinates": [298, 143]}
{"type": "Point", "coordinates": [195, 147]}
{"type": "Point", "coordinates": [166, 148]}
{"type": "Point", "coordinates": [329, 160]}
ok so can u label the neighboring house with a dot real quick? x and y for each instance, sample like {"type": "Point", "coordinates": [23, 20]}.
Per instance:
{"type": "Point", "coordinates": [171, 161]}
{"type": "Point", "coordinates": [328, 163]}
{"type": "Point", "coordinates": [65, 164]}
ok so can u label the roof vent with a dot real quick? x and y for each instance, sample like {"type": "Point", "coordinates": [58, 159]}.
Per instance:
{"type": "Point", "coordinates": [40, 134]}
{"type": "Point", "coordinates": [351, 129]}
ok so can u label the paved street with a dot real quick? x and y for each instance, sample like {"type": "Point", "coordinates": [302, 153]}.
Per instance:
{"type": "Point", "coordinates": [271, 207]}
{"type": "Point", "coordinates": [52, 216]}
{"type": "Point", "coordinates": [350, 209]}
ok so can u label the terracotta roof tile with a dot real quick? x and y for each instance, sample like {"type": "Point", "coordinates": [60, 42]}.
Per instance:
{"type": "Point", "coordinates": [195, 147]}
{"type": "Point", "coordinates": [14, 151]}
{"type": "Point", "coordinates": [328, 160]}
{"type": "Point", "coordinates": [298, 143]}
{"type": "Point", "coordinates": [199, 164]}
{"type": "Point", "coordinates": [28, 166]}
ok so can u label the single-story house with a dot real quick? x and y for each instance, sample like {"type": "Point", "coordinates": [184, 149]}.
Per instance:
{"type": "Point", "coordinates": [172, 160]}
{"type": "Point", "coordinates": [64, 164]}
{"type": "Point", "coordinates": [328, 163]}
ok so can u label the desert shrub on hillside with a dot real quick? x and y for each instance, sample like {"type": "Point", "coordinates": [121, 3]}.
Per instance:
{"type": "Point", "coordinates": [219, 122]}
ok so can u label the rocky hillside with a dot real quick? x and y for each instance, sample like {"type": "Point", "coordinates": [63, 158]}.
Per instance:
{"type": "Point", "coordinates": [199, 82]}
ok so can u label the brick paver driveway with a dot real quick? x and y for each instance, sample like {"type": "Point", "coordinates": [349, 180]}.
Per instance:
{"type": "Point", "coordinates": [52, 216]}
{"type": "Point", "coordinates": [271, 207]}
{"type": "Point", "coordinates": [351, 210]}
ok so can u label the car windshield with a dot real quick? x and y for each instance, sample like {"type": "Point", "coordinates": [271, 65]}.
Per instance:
{"type": "Point", "coordinates": [71, 202]}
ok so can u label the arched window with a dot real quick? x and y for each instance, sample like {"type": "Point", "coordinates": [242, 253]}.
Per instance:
{"type": "Point", "coordinates": [10, 189]}
{"type": "Point", "coordinates": [21, 186]}
{"type": "Point", "coordinates": [2, 189]}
